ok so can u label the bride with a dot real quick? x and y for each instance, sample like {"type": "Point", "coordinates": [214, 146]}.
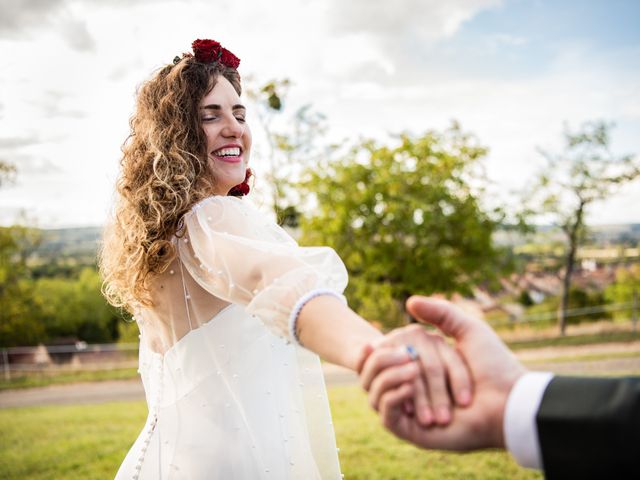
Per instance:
{"type": "Point", "coordinates": [224, 298]}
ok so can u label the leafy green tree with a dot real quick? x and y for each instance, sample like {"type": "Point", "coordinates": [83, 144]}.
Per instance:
{"type": "Point", "coordinates": [75, 308]}
{"type": "Point", "coordinates": [581, 298]}
{"type": "Point", "coordinates": [625, 289]}
{"type": "Point", "coordinates": [525, 299]}
{"type": "Point", "coordinates": [405, 219]}
{"type": "Point", "coordinates": [16, 305]}
{"type": "Point", "coordinates": [17, 325]}
{"type": "Point", "coordinates": [128, 331]}
{"type": "Point", "coordinates": [292, 140]}
{"type": "Point", "coordinates": [585, 172]}
{"type": "Point", "coordinates": [55, 306]}
{"type": "Point", "coordinates": [99, 320]}
{"type": "Point", "coordinates": [7, 172]}
{"type": "Point", "coordinates": [375, 302]}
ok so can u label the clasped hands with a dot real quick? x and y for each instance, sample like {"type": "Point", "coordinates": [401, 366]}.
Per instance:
{"type": "Point", "coordinates": [452, 396]}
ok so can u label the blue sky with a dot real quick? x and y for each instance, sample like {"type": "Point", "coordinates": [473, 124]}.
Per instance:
{"type": "Point", "coordinates": [521, 38]}
{"type": "Point", "coordinates": [604, 24]}
{"type": "Point", "coordinates": [510, 71]}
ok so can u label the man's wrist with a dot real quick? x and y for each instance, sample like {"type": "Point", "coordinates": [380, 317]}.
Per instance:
{"type": "Point", "coordinates": [520, 430]}
{"type": "Point", "coordinates": [503, 391]}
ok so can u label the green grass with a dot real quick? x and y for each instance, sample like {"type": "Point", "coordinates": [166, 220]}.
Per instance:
{"type": "Point", "coordinates": [69, 442]}
{"type": "Point", "coordinates": [38, 379]}
{"type": "Point", "coordinates": [594, 357]}
{"type": "Point", "coordinates": [587, 339]}
{"type": "Point", "coordinates": [90, 441]}
{"type": "Point", "coordinates": [368, 452]}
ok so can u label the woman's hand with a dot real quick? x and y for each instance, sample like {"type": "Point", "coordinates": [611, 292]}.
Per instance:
{"type": "Point", "coordinates": [430, 385]}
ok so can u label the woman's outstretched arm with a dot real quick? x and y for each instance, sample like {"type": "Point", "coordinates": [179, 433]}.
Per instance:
{"type": "Point", "coordinates": [432, 386]}
{"type": "Point", "coordinates": [328, 327]}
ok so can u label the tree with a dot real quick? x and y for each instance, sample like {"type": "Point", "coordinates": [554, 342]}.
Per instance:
{"type": "Point", "coordinates": [291, 146]}
{"type": "Point", "coordinates": [16, 302]}
{"type": "Point", "coordinates": [7, 172]}
{"type": "Point", "coordinates": [585, 172]}
{"type": "Point", "coordinates": [625, 289]}
{"type": "Point", "coordinates": [405, 219]}
{"type": "Point", "coordinates": [17, 325]}
{"type": "Point", "coordinates": [75, 308]}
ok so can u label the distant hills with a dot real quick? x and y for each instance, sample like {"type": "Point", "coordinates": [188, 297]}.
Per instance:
{"type": "Point", "coordinates": [83, 242]}
{"type": "Point", "coordinates": [622, 233]}
{"type": "Point", "coordinates": [69, 242]}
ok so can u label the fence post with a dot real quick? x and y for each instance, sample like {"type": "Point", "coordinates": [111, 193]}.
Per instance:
{"type": "Point", "coordinates": [634, 311]}
{"type": "Point", "coordinates": [5, 364]}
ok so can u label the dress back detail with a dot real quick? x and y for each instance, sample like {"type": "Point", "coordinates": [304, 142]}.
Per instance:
{"type": "Point", "coordinates": [230, 395]}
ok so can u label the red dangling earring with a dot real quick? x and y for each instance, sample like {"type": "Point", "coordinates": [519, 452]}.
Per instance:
{"type": "Point", "coordinates": [243, 188]}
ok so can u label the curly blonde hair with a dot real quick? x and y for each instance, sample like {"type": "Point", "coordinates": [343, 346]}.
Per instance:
{"type": "Point", "coordinates": [164, 172]}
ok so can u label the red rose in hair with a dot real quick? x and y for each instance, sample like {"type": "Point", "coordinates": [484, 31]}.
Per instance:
{"type": "Point", "coordinates": [229, 59]}
{"type": "Point", "coordinates": [243, 188]}
{"type": "Point", "coordinates": [206, 50]}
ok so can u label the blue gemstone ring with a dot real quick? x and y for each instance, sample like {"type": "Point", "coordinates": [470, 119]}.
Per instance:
{"type": "Point", "coordinates": [412, 352]}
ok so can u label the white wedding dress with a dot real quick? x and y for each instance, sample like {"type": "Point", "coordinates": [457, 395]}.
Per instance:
{"type": "Point", "coordinates": [231, 394]}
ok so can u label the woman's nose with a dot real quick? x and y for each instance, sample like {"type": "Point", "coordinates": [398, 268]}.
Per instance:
{"type": "Point", "coordinates": [233, 128]}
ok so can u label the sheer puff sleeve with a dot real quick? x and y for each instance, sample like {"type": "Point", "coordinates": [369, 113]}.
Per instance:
{"type": "Point", "coordinates": [239, 256]}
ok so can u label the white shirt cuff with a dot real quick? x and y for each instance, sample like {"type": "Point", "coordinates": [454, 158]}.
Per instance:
{"type": "Point", "coordinates": [520, 430]}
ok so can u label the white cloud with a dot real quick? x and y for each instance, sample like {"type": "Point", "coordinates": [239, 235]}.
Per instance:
{"type": "Point", "coordinates": [77, 35]}
{"type": "Point", "coordinates": [18, 16]}
{"type": "Point", "coordinates": [398, 35]}
{"type": "Point", "coordinates": [428, 20]}
{"type": "Point", "coordinates": [26, 19]}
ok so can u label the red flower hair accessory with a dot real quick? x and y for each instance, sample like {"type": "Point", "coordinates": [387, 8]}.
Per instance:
{"type": "Point", "coordinates": [229, 59]}
{"type": "Point", "coordinates": [243, 188]}
{"type": "Point", "coordinates": [209, 51]}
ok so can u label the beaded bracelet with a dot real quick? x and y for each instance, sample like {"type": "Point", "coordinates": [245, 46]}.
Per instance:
{"type": "Point", "coordinates": [295, 313]}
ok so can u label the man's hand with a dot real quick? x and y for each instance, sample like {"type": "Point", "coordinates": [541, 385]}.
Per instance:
{"type": "Point", "coordinates": [438, 377]}
{"type": "Point", "coordinates": [494, 371]}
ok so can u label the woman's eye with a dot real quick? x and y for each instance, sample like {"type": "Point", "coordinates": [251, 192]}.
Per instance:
{"type": "Point", "coordinates": [240, 118]}
{"type": "Point", "coordinates": [208, 119]}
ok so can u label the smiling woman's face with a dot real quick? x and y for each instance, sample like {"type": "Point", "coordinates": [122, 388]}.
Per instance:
{"type": "Point", "coordinates": [222, 116]}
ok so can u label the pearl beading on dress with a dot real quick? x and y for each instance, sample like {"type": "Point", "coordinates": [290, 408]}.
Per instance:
{"type": "Point", "coordinates": [152, 425]}
{"type": "Point", "coordinates": [200, 265]}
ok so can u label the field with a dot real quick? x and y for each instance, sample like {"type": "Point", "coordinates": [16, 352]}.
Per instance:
{"type": "Point", "coordinates": [89, 441]}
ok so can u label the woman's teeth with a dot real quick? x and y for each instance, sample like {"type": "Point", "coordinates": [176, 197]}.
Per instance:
{"type": "Point", "coordinates": [228, 152]}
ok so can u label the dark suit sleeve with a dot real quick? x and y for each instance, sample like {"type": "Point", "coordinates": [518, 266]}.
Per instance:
{"type": "Point", "coordinates": [590, 428]}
